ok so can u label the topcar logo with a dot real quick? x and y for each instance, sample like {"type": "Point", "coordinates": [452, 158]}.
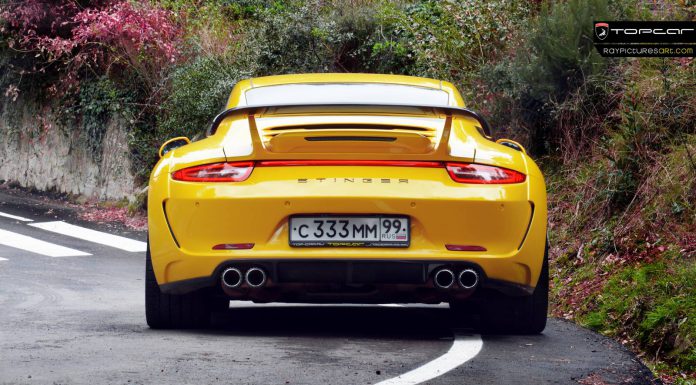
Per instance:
{"type": "Point", "coordinates": [601, 30]}
{"type": "Point", "coordinates": [645, 38]}
{"type": "Point", "coordinates": [638, 32]}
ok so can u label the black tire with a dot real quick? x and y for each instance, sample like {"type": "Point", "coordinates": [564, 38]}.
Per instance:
{"type": "Point", "coordinates": [515, 315]}
{"type": "Point", "coordinates": [170, 311]}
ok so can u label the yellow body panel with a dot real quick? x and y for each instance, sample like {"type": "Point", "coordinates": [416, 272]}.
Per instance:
{"type": "Point", "coordinates": [187, 218]}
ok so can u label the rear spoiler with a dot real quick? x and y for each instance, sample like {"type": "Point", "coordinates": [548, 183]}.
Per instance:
{"type": "Point", "coordinates": [446, 109]}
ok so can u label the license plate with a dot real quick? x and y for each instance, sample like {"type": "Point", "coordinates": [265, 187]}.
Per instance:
{"type": "Point", "coordinates": [350, 231]}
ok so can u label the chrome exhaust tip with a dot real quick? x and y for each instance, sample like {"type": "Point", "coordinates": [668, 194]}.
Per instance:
{"type": "Point", "coordinates": [468, 279]}
{"type": "Point", "coordinates": [255, 277]}
{"type": "Point", "coordinates": [232, 277]}
{"type": "Point", "coordinates": [444, 279]}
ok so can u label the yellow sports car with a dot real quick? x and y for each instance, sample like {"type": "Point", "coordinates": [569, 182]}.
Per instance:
{"type": "Point", "coordinates": [355, 188]}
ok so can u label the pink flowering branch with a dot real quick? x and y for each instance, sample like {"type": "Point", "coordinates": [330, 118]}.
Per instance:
{"type": "Point", "coordinates": [105, 34]}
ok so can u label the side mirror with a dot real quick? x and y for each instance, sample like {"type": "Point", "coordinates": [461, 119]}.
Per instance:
{"type": "Point", "coordinates": [512, 144]}
{"type": "Point", "coordinates": [173, 144]}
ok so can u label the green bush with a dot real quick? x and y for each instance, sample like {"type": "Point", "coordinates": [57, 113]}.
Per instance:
{"type": "Point", "coordinates": [199, 91]}
{"type": "Point", "coordinates": [555, 61]}
{"type": "Point", "coordinates": [653, 305]}
{"type": "Point", "coordinates": [447, 40]}
{"type": "Point", "coordinates": [309, 37]}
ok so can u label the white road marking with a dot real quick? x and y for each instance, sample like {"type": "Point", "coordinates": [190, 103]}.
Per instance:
{"type": "Point", "coordinates": [3, 259]}
{"type": "Point", "coordinates": [391, 305]}
{"type": "Point", "coordinates": [19, 241]}
{"type": "Point", "coordinates": [464, 348]}
{"type": "Point", "coordinates": [6, 215]}
{"type": "Point", "coordinates": [90, 235]}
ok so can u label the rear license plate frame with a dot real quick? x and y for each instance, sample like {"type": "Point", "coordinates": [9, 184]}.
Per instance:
{"type": "Point", "coordinates": [298, 220]}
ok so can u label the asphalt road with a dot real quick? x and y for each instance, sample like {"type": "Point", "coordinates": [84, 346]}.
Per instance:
{"type": "Point", "coordinates": [79, 318]}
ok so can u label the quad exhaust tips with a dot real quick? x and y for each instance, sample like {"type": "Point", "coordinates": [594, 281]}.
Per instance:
{"type": "Point", "coordinates": [468, 279]}
{"type": "Point", "coordinates": [445, 278]}
{"type": "Point", "coordinates": [255, 277]}
{"type": "Point", "coordinates": [232, 277]}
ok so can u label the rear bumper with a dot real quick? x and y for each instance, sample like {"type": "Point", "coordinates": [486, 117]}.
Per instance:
{"type": "Point", "coordinates": [186, 221]}
{"type": "Point", "coordinates": [363, 281]}
{"type": "Point", "coordinates": [178, 269]}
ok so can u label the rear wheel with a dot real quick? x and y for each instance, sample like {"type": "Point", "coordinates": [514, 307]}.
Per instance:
{"type": "Point", "coordinates": [521, 315]}
{"type": "Point", "coordinates": [171, 311]}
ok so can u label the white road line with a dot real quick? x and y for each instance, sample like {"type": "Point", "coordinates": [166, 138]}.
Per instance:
{"type": "Point", "coordinates": [391, 305]}
{"type": "Point", "coordinates": [90, 235]}
{"type": "Point", "coordinates": [19, 241]}
{"type": "Point", "coordinates": [3, 259]}
{"type": "Point", "coordinates": [6, 215]}
{"type": "Point", "coordinates": [464, 348]}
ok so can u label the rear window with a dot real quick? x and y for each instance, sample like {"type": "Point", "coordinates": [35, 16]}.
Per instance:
{"type": "Point", "coordinates": [338, 93]}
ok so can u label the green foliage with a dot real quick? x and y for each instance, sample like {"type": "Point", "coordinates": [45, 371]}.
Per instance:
{"type": "Point", "coordinates": [583, 193]}
{"type": "Point", "coordinates": [447, 40]}
{"type": "Point", "coordinates": [307, 37]}
{"type": "Point", "coordinates": [97, 102]}
{"type": "Point", "coordinates": [562, 43]}
{"type": "Point", "coordinates": [199, 92]}
{"type": "Point", "coordinates": [295, 41]}
{"type": "Point", "coordinates": [554, 62]}
{"type": "Point", "coordinates": [656, 111]}
{"type": "Point", "coordinates": [669, 196]}
{"type": "Point", "coordinates": [655, 305]}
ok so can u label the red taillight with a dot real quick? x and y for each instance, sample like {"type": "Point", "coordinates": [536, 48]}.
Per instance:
{"type": "Point", "coordinates": [216, 172]}
{"type": "Point", "coordinates": [481, 174]}
{"type": "Point", "coordinates": [240, 171]}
